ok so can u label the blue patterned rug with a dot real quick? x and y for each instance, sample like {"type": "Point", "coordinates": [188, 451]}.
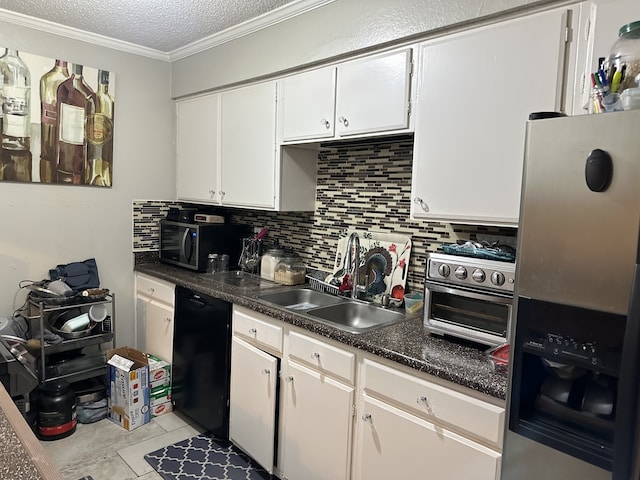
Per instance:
{"type": "Point", "coordinates": [205, 458]}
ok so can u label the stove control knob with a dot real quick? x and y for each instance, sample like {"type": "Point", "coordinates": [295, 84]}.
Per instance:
{"type": "Point", "coordinates": [497, 278]}
{"type": "Point", "coordinates": [478, 275]}
{"type": "Point", "coordinates": [444, 270]}
{"type": "Point", "coordinates": [461, 273]}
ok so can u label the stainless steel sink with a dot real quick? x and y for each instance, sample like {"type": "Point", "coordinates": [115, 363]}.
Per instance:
{"type": "Point", "coordinates": [356, 317]}
{"type": "Point", "coordinates": [300, 299]}
{"type": "Point", "coordinates": [348, 315]}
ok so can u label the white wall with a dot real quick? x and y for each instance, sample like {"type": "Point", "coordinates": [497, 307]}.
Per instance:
{"type": "Point", "coordinates": [44, 225]}
{"type": "Point", "coordinates": [332, 30]}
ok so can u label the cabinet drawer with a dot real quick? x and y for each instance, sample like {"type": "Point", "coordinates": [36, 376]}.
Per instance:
{"type": "Point", "coordinates": [247, 325]}
{"type": "Point", "coordinates": [322, 356]}
{"type": "Point", "coordinates": [434, 401]}
{"type": "Point", "coordinates": [155, 288]}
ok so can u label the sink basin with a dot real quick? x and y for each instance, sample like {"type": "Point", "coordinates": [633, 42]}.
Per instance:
{"type": "Point", "coordinates": [356, 317]}
{"type": "Point", "coordinates": [300, 299]}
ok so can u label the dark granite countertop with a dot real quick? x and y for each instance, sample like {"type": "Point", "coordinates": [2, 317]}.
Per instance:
{"type": "Point", "coordinates": [407, 343]}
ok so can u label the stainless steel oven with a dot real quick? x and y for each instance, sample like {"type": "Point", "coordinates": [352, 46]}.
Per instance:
{"type": "Point", "coordinates": [469, 298]}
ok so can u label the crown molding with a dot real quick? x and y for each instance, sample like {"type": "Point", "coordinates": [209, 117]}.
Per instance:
{"type": "Point", "coordinates": [268, 19]}
{"type": "Point", "coordinates": [82, 35]}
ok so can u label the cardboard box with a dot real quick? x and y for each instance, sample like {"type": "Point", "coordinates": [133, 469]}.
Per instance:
{"type": "Point", "coordinates": [161, 409]}
{"type": "Point", "coordinates": [128, 390]}
{"type": "Point", "coordinates": [159, 371]}
{"type": "Point", "coordinates": [160, 400]}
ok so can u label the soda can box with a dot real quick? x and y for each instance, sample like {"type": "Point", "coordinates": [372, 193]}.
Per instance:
{"type": "Point", "coordinates": [160, 395]}
{"type": "Point", "coordinates": [159, 371]}
{"type": "Point", "coordinates": [161, 409]}
{"type": "Point", "coordinates": [128, 392]}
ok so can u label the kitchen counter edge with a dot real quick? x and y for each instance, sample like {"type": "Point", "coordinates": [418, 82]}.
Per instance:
{"type": "Point", "coordinates": [407, 343]}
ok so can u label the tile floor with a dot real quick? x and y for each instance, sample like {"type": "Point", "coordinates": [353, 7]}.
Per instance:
{"type": "Point", "coordinates": [107, 451]}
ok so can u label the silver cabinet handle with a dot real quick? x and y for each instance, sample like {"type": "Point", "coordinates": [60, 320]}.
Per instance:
{"type": "Point", "coordinates": [253, 331]}
{"type": "Point", "coordinates": [266, 371]}
{"type": "Point", "coordinates": [367, 418]}
{"type": "Point", "coordinates": [422, 203]}
{"type": "Point", "coordinates": [315, 355]}
{"type": "Point", "coordinates": [289, 379]}
{"type": "Point", "coordinates": [326, 123]}
{"type": "Point", "coordinates": [344, 121]}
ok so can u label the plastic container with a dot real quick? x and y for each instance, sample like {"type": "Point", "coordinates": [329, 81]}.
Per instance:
{"type": "Point", "coordinates": [56, 410]}
{"type": "Point", "coordinates": [413, 303]}
{"type": "Point", "coordinates": [213, 263]}
{"type": "Point", "coordinates": [269, 261]}
{"type": "Point", "coordinates": [290, 270]}
{"type": "Point", "coordinates": [624, 56]}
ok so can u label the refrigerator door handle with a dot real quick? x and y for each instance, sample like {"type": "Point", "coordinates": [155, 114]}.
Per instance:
{"type": "Point", "coordinates": [626, 461]}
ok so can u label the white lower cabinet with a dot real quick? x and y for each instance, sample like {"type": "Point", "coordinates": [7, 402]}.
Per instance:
{"type": "Point", "coordinates": [253, 394]}
{"type": "Point", "coordinates": [154, 316]}
{"type": "Point", "coordinates": [337, 414]}
{"type": "Point", "coordinates": [317, 425]}
{"type": "Point", "coordinates": [395, 444]}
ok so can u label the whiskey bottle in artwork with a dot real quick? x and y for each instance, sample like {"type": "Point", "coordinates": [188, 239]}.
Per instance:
{"type": "Point", "coordinates": [76, 103]}
{"type": "Point", "coordinates": [49, 84]}
{"type": "Point", "coordinates": [15, 160]}
{"type": "Point", "coordinates": [100, 136]}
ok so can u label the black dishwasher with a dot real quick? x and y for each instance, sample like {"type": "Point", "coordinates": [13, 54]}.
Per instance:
{"type": "Point", "coordinates": [202, 360]}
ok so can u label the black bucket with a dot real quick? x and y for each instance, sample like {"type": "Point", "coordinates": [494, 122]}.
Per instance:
{"type": "Point", "coordinates": [56, 410]}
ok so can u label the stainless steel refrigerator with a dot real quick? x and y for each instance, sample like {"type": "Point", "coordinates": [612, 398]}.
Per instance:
{"type": "Point", "coordinates": [572, 403]}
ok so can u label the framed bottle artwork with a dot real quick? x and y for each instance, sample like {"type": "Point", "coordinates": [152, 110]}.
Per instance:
{"type": "Point", "coordinates": [56, 121]}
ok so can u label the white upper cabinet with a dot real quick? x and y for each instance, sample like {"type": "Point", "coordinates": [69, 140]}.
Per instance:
{"type": "Point", "coordinates": [248, 146]}
{"type": "Point", "coordinates": [358, 97]}
{"type": "Point", "coordinates": [308, 105]}
{"type": "Point", "coordinates": [197, 122]}
{"type": "Point", "coordinates": [227, 153]}
{"type": "Point", "coordinates": [373, 94]}
{"type": "Point", "coordinates": [475, 93]}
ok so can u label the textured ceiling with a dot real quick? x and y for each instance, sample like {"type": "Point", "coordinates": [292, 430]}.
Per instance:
{"type": "Point", "coordinates": [163, 25]}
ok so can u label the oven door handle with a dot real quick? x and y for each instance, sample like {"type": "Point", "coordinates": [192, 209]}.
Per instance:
{"type": "Point", "coordinates": [488, 297]}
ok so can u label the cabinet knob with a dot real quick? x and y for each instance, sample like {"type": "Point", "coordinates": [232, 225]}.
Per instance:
{"type": "Point", "coordinates": [343, 121]}
{"type": "Point", "coordinates": [326, 123]}
{"type": "Point", "coordinates": [212, 194]}
{"type": "Point", "coordinates": [167, 319]}
{"type": "Point", "coordinates": [289, 379]}
{"type": "Point", "coordinates": [222, 194]}
{"type": "Point", "coordinates": [367, 418]}
{"type": "Point", "coordinates": [315, 355]}
{"type": "Point", "coordinates": [266, 371]}
{"type": "Point", "coordinates": [422, 399]}
{"type": "Point", "coordinates": [253, 331]}
{"type": "Point", "coordinates": [151, 290]}
{"type": "Point", "coordinates": [422, 203]}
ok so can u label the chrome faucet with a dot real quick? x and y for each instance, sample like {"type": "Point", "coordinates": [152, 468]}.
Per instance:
{"type": "Point", "coordinates": [353, 252]}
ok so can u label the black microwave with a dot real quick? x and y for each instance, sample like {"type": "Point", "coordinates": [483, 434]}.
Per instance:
{"type": "Point", "coordinates": [189, 244]}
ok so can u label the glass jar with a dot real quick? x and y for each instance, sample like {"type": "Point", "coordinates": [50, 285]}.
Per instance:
{"type": "Point", "coordinates": [213, 263]}
{"type": "Point", "coordinates": [290, 270]}
{"type": "Point", "coordinates": [623, 63]}
{"type": "Point", "coordinates": [269, 261]}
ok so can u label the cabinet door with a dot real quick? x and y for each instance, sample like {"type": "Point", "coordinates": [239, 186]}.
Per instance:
{"type": "Point", "coordinates": [373, 94]}
{"type": "Point", "coordinates": [317, 426]}
{"type": "Point", "coordinates": [248, 146]}
{"type": "Point", "coordinates": [157, 322]}
{"type": "Point", "coordinates": [476, 91]}
{"type": "Point", "coordinates": [308, 102]}
{"type": "Point", "coordinates": [394, 444]}
{"type": "Point", "coordinates": [197, 148]}
{"type": "Point", "coordinates": [252, 407]}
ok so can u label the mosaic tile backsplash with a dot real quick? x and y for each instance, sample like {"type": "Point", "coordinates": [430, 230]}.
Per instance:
{"type": "Point", "coordinates": [361, 186]}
